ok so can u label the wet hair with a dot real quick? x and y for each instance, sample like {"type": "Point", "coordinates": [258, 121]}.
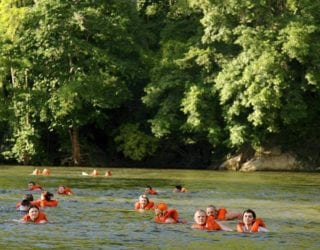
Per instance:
{"type": "Point", "coordinates": [29, 197]}
{"type": "Point", "coordinates": [143, 196]}
{"type": "Point", "coordinates": [179, 187]}
{"type": "Point", "coordinates": [32, 182]}
{"type": "Point", "coordinates": [33, 206]}
{"type": "Point", "coordinates": [200, 211]}
{"type": "Point", "coordinates": [249, 211]}
{"type": "Point", "coordinates": [47, 196]}
{"type": "Point", "coordinates": [148, 186]}
{"type": "Point", "coordinates": [212, 206]}
{"type": "Point", "coordinates": [25, 203]}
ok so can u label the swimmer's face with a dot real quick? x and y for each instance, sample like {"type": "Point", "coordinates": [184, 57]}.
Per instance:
{"type": "Point", "coordinates": [30, 185]}
{"type": "Point", "coordinates": [60, 189]}
{"type": "Point", "coordinates": [33, 213]}
{"type": "Point", "coordinates": [248, 218]}
{"type": "Point", "coordinates": [200, 217]}
{"type": "Point", "coordinates": [143, 201]}
{"type": "Point", "coordinates": [211, 211]}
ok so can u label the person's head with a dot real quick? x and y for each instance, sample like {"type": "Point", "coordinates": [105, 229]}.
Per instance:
{"type": "Point", "coordinates": [25, 204]}
{"type": "Point", "coordinates": [211, 210]}
{"type": "Point", "coordinates": [143, 200]}
{"type": "Point", "coordinates": [200, 217]}
{"type": "Point", "coordinates": [61, 189]}
{"type": "Point", "coordinates": [179, 187]}
{"type": "Point", "coordinates": [33, 212]}
{"type": "Point", "coordinates": [248, 216]}
{"type": "Point", "coordinates": [28, 197]}
{"type": "Point", "coordinates": [148, 187]}
{"type": "Point", "coordinates": [161, 208]}
{"type": "Point", "coordinates": [31, 184]}
{"type": "Point", "coordinates": [46, 195]}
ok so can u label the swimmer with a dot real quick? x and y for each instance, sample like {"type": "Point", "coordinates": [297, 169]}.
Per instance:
{"type": "Point", "coordinates": [165, 215]}
{"type": "Point", "coordinates": [222, 213]}
{"type": "Point", "coordinates": [23, 206]}
{"type": "Point", "coordinates": [94, 173]}
{"type": "Point", "coordinates": [28, 197]}
{"type": "Point", "coordinates": [34, 216]}
{"type": "Point", "coordinates": [46, 172]}
{"type": "Point", "coordinates": [180, 189]}
{"type": "Point", "coordinates": [250, 223]}
{"type": "Point", "coordinates": [32, 186]}
{"type": "Point", "coordinates": [143, 203]}
{"type": "Point", "coordinates": [62, 190]}
{"type": "Point", "coordinates": [150, 190]}
{"type": "Point", "coordinates": [36, 172]}
{"type": "Point", "coordinates": [45, 200]}
{"type": "Point", "coordinates": [108, 173]}
{"type": "Point", "coordinates": [207, 222]}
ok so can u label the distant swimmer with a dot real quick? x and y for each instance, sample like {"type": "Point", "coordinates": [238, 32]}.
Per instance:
{"type": "Point", "coordinates": [94, 173]}
{"type": "Point", "coordinates": [46, 172]}
{"type": "Point", "coordinates": [165, 215]}
{"type": "Point", "coordinates": [143, 203]}
{"type": "Point", "coordinates": [150, 190]}
{"type": "Point", "coordinates": [222, 213]}
{"type": "Point", "coordinates": [34, 216]}
{"type": "Point", "coordinates": [250, 223]}
{"type": "Point", "coordinates": [108, 173]}
{"type": "Point", "coordinates": [62, 190]}
{"type": "Point", "coordinates": [45, 200]}
{"type": "Point", "coordinates": [205, 222]}
{"type": "Point", "coordinates": [36, 172]}
{"type": "Point", "coordinates": [32, 186]}
{"type": "Point", "coordinates": [180, 189]}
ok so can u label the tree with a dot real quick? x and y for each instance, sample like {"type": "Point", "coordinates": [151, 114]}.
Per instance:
{"type": "Point", "coordinates": [81, 60]}
{"type": "Point", "coordinates": [186, 111]}
{"type": "Point", "coordinates": [267, 51]}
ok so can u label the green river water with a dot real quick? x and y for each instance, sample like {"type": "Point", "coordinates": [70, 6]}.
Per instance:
{"type": "Point", "coordinates": [100, 215]}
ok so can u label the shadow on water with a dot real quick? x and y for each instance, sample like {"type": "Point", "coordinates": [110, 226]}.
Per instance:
{"type": "Point", "coordinates": [100, 215]}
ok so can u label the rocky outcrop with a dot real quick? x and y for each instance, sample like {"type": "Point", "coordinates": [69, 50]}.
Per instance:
{"type": "Point", "coordinates": [264, 160]}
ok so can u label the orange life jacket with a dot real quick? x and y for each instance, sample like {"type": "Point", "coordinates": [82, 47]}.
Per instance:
{"type": "Point", "coordinates": [221, 214]}
{"type": "Point", "coordinates": [66, 191]}
{"type": "Point", "coordinates": [36, 187]}
{"type": "Point", "coordinates": [211, 224]}
{"type": "Point", "coordinates": [45, 203]}
{"type": "Point", "coordinates": [172, 213]}
{"type": "Point", "coordinates": [41, 217]}
{"type": "Point", "coordinates": [255, 227]}
{"type": "Point", "coordinates": [151, 191]}
{"type": "Point", "coordinates": [149, 205]}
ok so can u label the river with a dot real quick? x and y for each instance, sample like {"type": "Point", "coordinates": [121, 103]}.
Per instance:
{"type": "Point", "coordinates": [100, 215]}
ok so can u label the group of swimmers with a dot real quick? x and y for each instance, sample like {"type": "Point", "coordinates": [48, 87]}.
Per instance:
{"type": "Point", "coordinates": [208, 219]}
{"type": "Point", "coordinates": [31, 208]}
{"type": "Point", "coordinates": [47, 172]}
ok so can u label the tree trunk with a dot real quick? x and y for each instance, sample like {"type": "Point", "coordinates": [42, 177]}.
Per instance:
{"type": "Point", "coordinates": [74, 137]}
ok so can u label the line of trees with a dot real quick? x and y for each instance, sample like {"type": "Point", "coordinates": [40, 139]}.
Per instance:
{"type": "Point", "coordinates": [162, 82]}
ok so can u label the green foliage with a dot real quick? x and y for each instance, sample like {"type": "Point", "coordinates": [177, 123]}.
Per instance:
{"type": "Point", "coordinates": [216, 73]}
{"type": "Point", "coordinates": [134, 143]}
{"type": "Point", "coordinates": [264, 49]}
